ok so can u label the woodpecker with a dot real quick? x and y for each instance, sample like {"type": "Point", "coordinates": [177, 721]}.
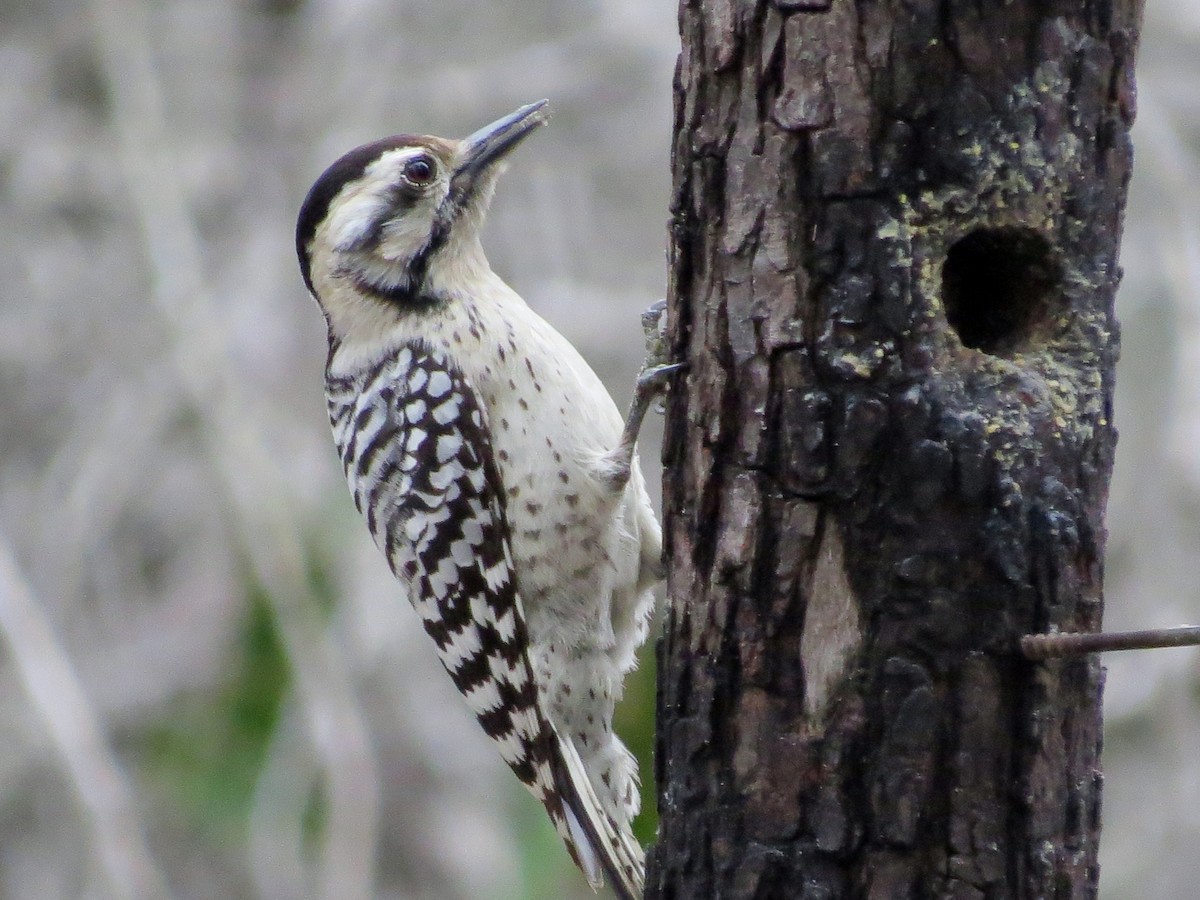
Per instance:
{"type": "Point", "coordinates": [493, 468]}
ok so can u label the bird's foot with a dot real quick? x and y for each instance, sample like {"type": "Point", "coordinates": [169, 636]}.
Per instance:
{"type": "Point", "coordinates": [652, 381]}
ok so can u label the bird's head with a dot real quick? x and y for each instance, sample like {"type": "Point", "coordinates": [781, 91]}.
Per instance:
{"type": "Point", "coordinates": [396, 221]}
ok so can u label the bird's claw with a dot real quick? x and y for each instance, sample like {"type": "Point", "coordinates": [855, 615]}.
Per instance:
{"type": "Point", "coordinates": [654, 327]}
{"type": "Point", "coordinates": [653, 381]}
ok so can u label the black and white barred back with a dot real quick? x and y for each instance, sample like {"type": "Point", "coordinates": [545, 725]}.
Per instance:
{"type": "Point", "coordinates": [413, 440]}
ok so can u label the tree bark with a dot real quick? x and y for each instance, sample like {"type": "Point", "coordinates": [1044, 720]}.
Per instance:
{"type": "Point", "coordinates": [893, 261]}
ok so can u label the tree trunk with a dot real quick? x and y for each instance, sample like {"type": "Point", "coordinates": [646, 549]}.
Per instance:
{"type": "Point", "coordinates": [893, 256]}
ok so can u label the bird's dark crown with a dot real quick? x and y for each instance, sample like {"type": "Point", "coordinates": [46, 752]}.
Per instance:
{"type": "Point", "coordinates": [350, 167]}
{"type": "Point", "coordinates": [386, 224]}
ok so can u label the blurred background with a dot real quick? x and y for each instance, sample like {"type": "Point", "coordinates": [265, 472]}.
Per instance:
{"type": "Point", "coordinates": [209, 685]}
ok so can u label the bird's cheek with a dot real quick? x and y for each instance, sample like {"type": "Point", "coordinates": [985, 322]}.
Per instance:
{"type": "Point", "coordinates": [402, 239]}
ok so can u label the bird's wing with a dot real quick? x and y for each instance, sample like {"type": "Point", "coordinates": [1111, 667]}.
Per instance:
{"type": "Point", "coordinates": [413, 437]}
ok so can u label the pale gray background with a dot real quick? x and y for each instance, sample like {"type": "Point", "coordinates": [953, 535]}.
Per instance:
{"type": "Point", "coordinates": [164, 456]}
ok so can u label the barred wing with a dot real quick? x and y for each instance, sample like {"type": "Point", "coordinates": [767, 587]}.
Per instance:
{"type": "Point", "coordinates": [414, 443]}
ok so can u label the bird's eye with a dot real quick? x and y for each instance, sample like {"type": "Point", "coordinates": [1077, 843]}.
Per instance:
{"type": "Point", "coordinates": [419, 170]}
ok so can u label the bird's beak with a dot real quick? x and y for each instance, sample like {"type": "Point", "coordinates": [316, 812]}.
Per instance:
{"type": "Point", "coordinates": [493, 142]}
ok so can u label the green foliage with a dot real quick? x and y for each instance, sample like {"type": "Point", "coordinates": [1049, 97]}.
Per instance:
{"type": "Point", "coordinates": [316, 816]}
{"type": "Point", "coordinates": [634, 722]}
{"type": "Point", "coordinates": [321, 562]}
{"type": "Point", "coordinates": [209, 753]}
{"type": "Point", "coordinates": [546, 870]}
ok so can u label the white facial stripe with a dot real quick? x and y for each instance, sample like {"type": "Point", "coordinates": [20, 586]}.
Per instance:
{"type": "Point", "coordinates": [356, 215]}
{"type": "Point", "coordinates": [370, 237]}
{"type": "Point", "coordinates": [353, 221]}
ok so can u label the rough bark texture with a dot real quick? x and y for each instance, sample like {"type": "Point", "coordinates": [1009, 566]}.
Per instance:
{"type": "Point", "coordinates": [894, 258]}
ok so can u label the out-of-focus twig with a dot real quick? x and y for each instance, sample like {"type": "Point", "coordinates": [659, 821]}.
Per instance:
{"type": "Point", "coordinates": [276, 838]}
{"type": "Point", "coordinates": [1179, 246]}
{"type": "Point", "coordinates": [89, 478]}
{"type": "Point", "coordinates": [56, 693]}
{"type": "Point", "coordinates": [261, 503]}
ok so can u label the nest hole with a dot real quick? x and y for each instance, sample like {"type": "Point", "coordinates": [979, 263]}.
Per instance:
{"type": "Point", "coordinates": [1001, 288]}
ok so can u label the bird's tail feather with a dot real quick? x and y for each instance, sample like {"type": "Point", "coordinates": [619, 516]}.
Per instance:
{"type": "Point", "coordinates": [599, 845]}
